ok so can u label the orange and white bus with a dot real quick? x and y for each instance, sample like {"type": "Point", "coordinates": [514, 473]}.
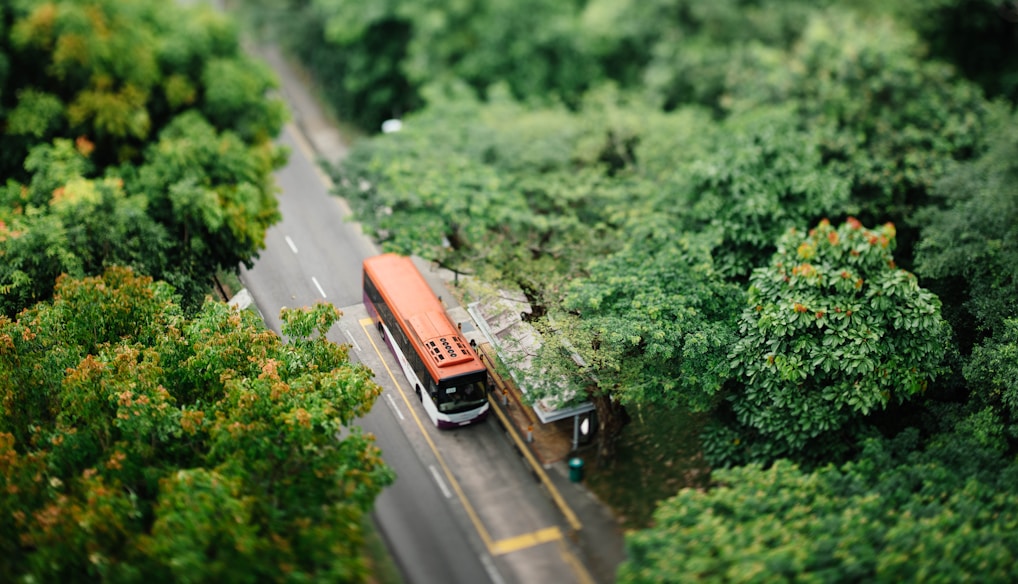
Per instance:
{"type": "Point", "coordinates": [443, 369]}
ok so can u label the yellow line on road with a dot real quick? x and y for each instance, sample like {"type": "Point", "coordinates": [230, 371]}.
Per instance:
{"type": "Point", "coordinates": [527, 540]}
{"type": "Point", "coordinates": [564, 507]}
{"type": "Point", "coordinates": [485, 537]}
{"type": "Point", "coordinates": [578, 568]}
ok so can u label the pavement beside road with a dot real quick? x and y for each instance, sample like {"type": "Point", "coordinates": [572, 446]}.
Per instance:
{"type": "Point", "coordinates": [594, 532]}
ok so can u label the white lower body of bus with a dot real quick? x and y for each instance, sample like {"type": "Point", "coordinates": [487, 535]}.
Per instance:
{"type": "Point", "coordinates": [439, 419]}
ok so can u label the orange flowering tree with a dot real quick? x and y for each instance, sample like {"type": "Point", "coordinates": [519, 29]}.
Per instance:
{"type": "Point", "coordinates": [136, 442]}
{"type": "Point", "coordinates": [833, 330]}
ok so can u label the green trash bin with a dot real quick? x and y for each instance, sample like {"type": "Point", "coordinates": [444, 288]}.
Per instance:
{"type": "Point", "coordinates": [576, 469]}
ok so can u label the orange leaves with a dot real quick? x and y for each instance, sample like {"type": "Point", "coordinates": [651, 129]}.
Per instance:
{"type": "Point", "coordinates": [806, 251]}
{"type": "Point", "coordinates": [6, 343]}
{"type": "Point", "coordinates": [191, 421]}
{"type": "Point", "coordinates": [805, 270]}
{"type": "Point", "coordinates": [27, 334]}
{"type": "Point", "coordinates": [8, 455]}
{"type": "Point", "coordinates": [116, 461]}
{"type": "Point", "coordinates": [302, 417]}
{"type": "Point", "coordinates": [269, 370]}
{"type": "Point", "coordinates": [84, 146]}
{"type": "Point", "coordinates": [799, 307]}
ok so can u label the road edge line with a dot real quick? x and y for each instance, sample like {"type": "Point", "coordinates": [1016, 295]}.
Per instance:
{"type": "Point", "coordinates": [560, 502]}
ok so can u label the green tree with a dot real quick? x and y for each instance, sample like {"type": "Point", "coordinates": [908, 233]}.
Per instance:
{"type": "Point", "coordinates": [992, 375]}
{"type": "Point", "coordinates": [117, 72]}
{"type": "Point", "coordinates": [969, 247]}
{"type": "Point", "coordinates": [889, 119]}
{"type": "Point", "coordinates": [907, 511]}
{"type": "Point", "coordinates": [761, 175]}
{"type": "Point", "coordinates": [977, 36]}
{"type": "Point", "coordinates": [136, 443]}
{"type": "Point", "coordinates": [650, 326]}
{"type": "Point", "coordinates": [832, 331]}
{"type": "Point", "coordinates": [517, 191]}
{"type": "Point", "coordinates": [98, 99]}
{"type": "Point", "coordinates": [214, 195]}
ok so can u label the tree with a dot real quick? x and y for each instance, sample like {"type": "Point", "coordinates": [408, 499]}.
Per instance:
{"type": "Point", "coordinates": [975, 35]}
{"type": "Point", "coordinates": [992, 374]}
{"type": "Point", "coordinates": [649, 326]}
{"type": "Point", "coordinates": [516, 191]}
{"type": "Point", "coordinates": [215, 196]}
{"type": "Point", "coordinates": [99, 101]}
{"type": "Point", "coordinates": [832, 331]}
{"type": "Point", "coordinates": [136, 443]}
{"type": "Point", "coordinates": [889, 119]}
{"type": "Point", "coordinates": [118, 72]}
{"type": "Point", "coordinates": [907, 510]}
{"type": "Point", "coordinates": [761, 175]}
{"type": "Point", "coordinates": [968, 248]}
{"type": "Point", "coordinates": [695, 48]}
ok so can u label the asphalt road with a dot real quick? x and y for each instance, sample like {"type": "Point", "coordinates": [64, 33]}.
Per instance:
{"type": "Point", "coordinates": [315, 255]}
{"type": "Point", "coordinates": [464, 507]}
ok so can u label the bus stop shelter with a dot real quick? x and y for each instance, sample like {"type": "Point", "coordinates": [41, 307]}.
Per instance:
{"type": "Point", "coordinates": [499, 317]}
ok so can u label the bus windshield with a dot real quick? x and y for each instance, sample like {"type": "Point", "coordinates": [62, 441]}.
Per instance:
{"type": "Point", "coordinates": [465, 396]}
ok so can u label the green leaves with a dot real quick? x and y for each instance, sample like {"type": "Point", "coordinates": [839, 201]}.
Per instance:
{"type": "Point", "coordinates": [655, 322]}
{"type": "Point", "coordinates": [136, 134]}
{"type": "Point", "coordinates": [203, 529]}
{"type": "Point", "coordinates": [832, 331]}
{"type": "Point", "coordinates": [234, 98]}
{"type": "Point", "coordinates": [902, 512]}
{"type": "Point", "coordinates": [135, 442]}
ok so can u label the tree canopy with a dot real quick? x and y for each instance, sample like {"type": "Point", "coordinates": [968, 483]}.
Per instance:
{"type": "Point", "coordinates": [139, 443]}
{"type": "Point", "coordinates": [833, 330]}
{"type": "Point", "coordinates": [136, 133]}
{"type": "Point", "coordinates": [904, 511]}
{"type": "Point", "coordinates": [648, 173]}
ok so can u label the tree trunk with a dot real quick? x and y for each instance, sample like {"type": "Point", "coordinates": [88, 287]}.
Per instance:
{"type": "Point", "coordinates": [611, 418]}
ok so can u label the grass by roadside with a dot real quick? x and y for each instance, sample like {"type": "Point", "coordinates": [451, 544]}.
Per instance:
{"type": "Point", "coordinates": [658, 454]}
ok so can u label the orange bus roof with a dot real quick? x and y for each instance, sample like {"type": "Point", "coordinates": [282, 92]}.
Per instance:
{"type": "Point", "coordinates": [421, 315]}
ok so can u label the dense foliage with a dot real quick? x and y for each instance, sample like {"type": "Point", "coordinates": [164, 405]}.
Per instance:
{"type": "Point", "coordinates": [904, 511]}
{"type": "Point", "coordinates": [794, 217]}
{"type": "Point", "coordinates": [832, 331]}
{"type": "Point", "coordinates": [631, 228]}
{"type": "Point", "coordinates": [144, 433]}
{"type": "Point", "coordinates": [648, 173]}
{"type": "Point", "coordinates": [136, 443]}
{"type": "Point", "coordinates": [135, 133]}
